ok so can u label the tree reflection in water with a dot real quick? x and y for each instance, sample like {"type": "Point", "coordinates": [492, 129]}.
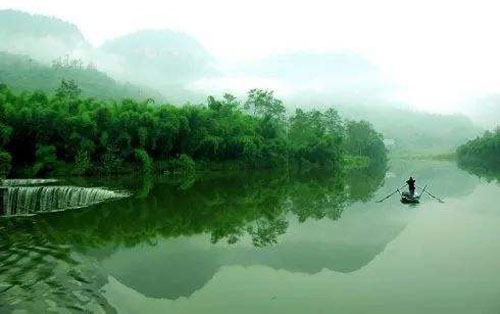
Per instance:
{"type": "Point", "coordinates": [40, 253]}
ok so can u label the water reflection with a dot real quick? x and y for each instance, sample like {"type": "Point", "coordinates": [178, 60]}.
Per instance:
{"type": "Point", "coordinates": [39, 274]}
{"type": "Point", "coordinates": [363, 183]}
{"type": "Point", "coordinates": [224, 206]}
{"type": "Point", "coordinates": [174, 234]}
{"type": "Point", "coordinates": [443, 178]}
{"type": "Point", "coordinates": [254, 212]}
{"type": "Point", "coordinates": [46, 255]}
{"type": "Point", "coordinates": [489, 174]}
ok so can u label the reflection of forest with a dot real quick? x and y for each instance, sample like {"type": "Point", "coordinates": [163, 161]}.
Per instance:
{"type": "Point", "coordinates": [363, 183]}
{"type": "Point", "coordinates": [224, 206]}
{"type": "Point", "coordinates": [490, 174]}
{"type": "Point", "coordinates": [178, 267]}
{"type": "Point", "coordinates": [481, 156]}
{"type": "Point", "coordinates": [154, 230]}
{"type": "Point", "coordinates": [40, 274]}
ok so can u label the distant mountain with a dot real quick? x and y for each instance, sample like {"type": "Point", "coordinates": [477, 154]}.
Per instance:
{"type": "Point", "coordinates": [414, 131]}
{"type": "Point", "coordinates": [338, 73]}
{"type": "Point", "coordinates": [42, 38]}
{"type": "Point", "coordinates": [307, 66]}
{"type": "Point", "coordinates": [160, 58]}
{"type": "Point", "coordinates": [172, 63]}
{"type": "Point", "coordinates": [22, 73]}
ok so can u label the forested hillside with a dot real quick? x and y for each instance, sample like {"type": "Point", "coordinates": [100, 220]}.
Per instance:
{"type": "Point", "coordinates": [37, 52]}
{"type": "Point", "coordinates": [22, 73]}
{"type": "Point", "coordinates": [41, 37]}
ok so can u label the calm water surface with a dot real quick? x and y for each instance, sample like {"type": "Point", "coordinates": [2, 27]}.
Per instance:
{"type": "Point", "coordinates": [262, 243]}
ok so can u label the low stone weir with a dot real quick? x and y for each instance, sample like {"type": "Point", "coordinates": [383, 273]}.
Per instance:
{"type": "Point", "coordinates": [18, 182]}
{"type": "Point", "coordinates": [27, 200]}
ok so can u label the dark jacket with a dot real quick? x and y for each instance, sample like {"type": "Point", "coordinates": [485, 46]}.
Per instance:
{"type": "Point", "coordinates": [411, 184]}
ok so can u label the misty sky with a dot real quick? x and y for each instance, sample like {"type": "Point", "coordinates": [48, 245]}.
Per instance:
{"type": "Point", "coordinates": [439, 54]}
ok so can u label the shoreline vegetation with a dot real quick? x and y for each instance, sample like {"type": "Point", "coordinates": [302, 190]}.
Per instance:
{"type": "Point", "coordinates": [66, 134]}
{"type": "Point", "coordinates": [443, 156]}
{"type": "Point", "coordinates": [481, 156]}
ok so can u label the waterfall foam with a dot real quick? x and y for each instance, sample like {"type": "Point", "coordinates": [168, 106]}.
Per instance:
{"type": "Point", "coordinates": [27, 200]}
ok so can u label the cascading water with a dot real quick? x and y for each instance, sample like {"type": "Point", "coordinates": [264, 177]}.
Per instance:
{"type": "Point", "coordinates": [26, 200]}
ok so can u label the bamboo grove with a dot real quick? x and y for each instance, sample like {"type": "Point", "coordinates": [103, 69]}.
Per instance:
{"type": "Point", "coordinates": [65, 133]}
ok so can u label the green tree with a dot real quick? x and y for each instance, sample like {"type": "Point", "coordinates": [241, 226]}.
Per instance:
{"type": "Point", "coordinates": [145, 161]}
{"type": "Point", "coordinates": [363, 140]}
{"type": "Point", "coordinates": [45, 159]}
{"type": "Point", "coordinates": [5, 134]}
{"type": "Point", "coordinates": [5, 163]}
{"type": "Point", "coordinates": [68, 89]}
{"type": "Point", "coordinates": [184, 164]}
{"type": "Point", "coordinates": [481, 155]}
{"type": "Point", "coordinates": [94, 136]}
{"type": "Point", "coordinates": [316, 138]}
{"type": "Point", "coordinates": [263, 103]}
{"type": "Point", "coordinates": [83, 164]}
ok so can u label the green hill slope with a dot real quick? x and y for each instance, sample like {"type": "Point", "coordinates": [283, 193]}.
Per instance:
{"type": "Point", "coordinates": [41, 37]}
{"type": "Point", "coordinates": [23, 73]}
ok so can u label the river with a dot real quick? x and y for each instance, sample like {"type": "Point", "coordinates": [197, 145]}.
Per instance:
{"type": "Point", "coordinates": [259, 242]}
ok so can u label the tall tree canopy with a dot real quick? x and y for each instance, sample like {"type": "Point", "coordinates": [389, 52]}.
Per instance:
{"type": "Point", "coordinates": [44, 133]}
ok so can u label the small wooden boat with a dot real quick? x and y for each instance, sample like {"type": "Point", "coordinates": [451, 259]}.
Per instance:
{"type": "Point", "coordinates": [411, 198]}
{"type": "Point", "coordinates": [408, 198]}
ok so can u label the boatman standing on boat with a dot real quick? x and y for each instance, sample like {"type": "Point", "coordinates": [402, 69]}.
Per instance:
{"type": "Point", "coordinates": [411, 185]}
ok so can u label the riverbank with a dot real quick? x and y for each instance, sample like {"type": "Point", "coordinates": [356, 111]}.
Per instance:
{"type": "Point", "coordinates": [448, 156]}
{"type": "Point", "coordinates": [187, 167]}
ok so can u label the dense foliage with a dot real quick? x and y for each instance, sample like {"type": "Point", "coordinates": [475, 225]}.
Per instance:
{"type": "Point", "coordinates": [482, 155]}
{"type": "Point", "coordinates": [46, 133]}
